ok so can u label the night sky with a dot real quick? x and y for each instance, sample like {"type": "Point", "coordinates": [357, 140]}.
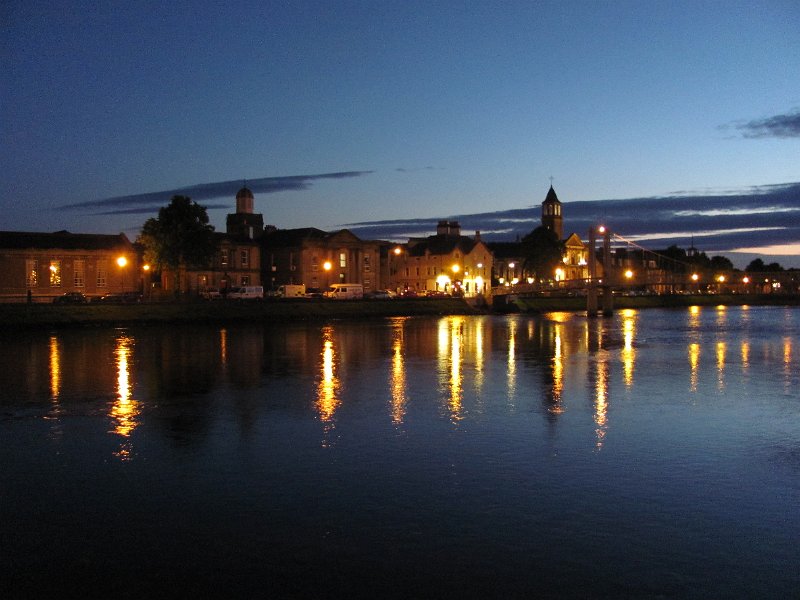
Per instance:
{"type": "Point", "coordinates": [349, 112]}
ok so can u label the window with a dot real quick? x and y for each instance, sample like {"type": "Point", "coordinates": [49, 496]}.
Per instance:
{"type": "Point", "coordinates": [55, 273]}
{"type": "Point", "coordinates": [342, 260]}
{"type": "Point", "coordinates": [223, 256]}
{"type": "Point", "coordinates": [32, 272]}
{"type": "Point", "coordinates": [78, 274]}
{"type": "Point", "coordinates": [314, 264]}
{"type": "Point", "coordinates": [245, 279]}
{"type": "Point", "coordinates": [101, 273]}
{"type": "Point", "coordinates": [366, 263]}
{"type": "Point", "coordinates": [244, 255]}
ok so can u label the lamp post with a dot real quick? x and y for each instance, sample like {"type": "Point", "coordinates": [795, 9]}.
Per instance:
{"type": "Point", "coordinates": [145, 282]}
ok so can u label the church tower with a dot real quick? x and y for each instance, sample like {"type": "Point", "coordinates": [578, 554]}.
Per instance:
{"type": "Point", "coordinates": [244, 221]}
{"type": "Point", "coordinates": [551, 214]}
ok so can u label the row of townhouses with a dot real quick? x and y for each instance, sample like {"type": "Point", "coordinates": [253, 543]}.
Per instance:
{"type": "Point", "coordinates": [45, 265]}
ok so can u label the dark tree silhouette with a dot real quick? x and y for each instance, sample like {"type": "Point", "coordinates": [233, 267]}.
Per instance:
{"type": "Point", "coordinates": [179, 237]}
{"type": "Point", "coordinates": [542, 252]}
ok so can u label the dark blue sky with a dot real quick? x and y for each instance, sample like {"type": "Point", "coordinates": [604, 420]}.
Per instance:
{"type": "Point", "coordinates": [355, 111]}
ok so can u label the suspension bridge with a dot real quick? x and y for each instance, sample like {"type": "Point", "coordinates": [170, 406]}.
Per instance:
{"type": "Point", "coordinates": [614, 267]}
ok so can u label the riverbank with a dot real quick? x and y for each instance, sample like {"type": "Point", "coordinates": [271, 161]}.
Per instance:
{"type": "Point", "coordinates": [577, 303]}
{"type": "Point", "coordinates": [22, 316]}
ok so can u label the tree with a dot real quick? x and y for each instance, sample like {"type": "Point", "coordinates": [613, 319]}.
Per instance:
{"type": "Point", "coordinates": [179, 237]}
{"type": "Point", "coordinates": [721, 263]}
{"type": "Point", "coordinates": [542, 252]}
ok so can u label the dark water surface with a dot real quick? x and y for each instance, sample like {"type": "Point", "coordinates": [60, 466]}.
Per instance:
{"type": "Point", "coordinates": [655, 454]}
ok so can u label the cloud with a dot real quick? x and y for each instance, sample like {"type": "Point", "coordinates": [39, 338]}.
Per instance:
{"type": "Point", "coordinates": [714, 221]}
{"type": "Point", "coordinates": [779, 126]}
{"type": "Point", "coordinates": [135, 203]}
{"type": "Point", "coordinates": [429, 168]}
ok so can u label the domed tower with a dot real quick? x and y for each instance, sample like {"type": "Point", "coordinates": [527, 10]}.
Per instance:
{"type": "Point", "coordinates": [244, 221]}
{"type": "Point", "coordinates": [244, 200]}
{"type": "Point", "coordinates": [551, 214]}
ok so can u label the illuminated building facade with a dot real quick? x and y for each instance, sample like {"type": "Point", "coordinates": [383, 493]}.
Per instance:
{"type": "Point", "coordinates": [45, 265]}
{"type": "Point", "coordinates": [319, 259]}
{"type": "Point", "coordinates": [446, 262]}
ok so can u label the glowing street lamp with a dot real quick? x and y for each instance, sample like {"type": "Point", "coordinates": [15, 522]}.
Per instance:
{"type": "Point", "coordinates": [745, 279]}
{"type": "Point", "coordinates": [455, 268]}
{"type": "Point", "coordinates": [721, 278]}
{"type": "Point", "coordinates": [121, 263]}
{"type": "Point", "coordinates": [628, 274]}
{"type": "Point", "coordinates": [695, 276]}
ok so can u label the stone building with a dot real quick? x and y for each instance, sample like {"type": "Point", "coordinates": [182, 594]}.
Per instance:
{"type": "Point", "coordinates": [447, 262]}
{"type": "Point", "coordinates": [46, 265]}
{"type": "Point", "coordinates": [319, 259]}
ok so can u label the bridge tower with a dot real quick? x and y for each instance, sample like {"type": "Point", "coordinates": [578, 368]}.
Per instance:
{"type": "Point", "coordinates": [595, 280]}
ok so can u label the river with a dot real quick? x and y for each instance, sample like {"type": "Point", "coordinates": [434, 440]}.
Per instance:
{"type": "Point", "coordinates": [653, 454]}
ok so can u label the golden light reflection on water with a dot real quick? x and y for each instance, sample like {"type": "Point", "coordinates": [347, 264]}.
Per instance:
{"type": "Point", "coordinates": [694, 317]}
{"type": "Point", "coordinates": [479, 359]}
{"type": "Point", "coordinates": [397, 380]}
{"type": "Point", "coordinates": [558, 372]}
{"type": "Point", "coordinates": [628, 351]}
{"type": "Point", "coordinates": [327, 396]}
{"type": "Point", "coordinates": [125, 409]}
{"type": "Point", "coordinates": [511, 368]}
{"type": "Point", "coordinates": [745, 355]}
{"type": "Point", "coordinates": [787, 363]}
{"type": "Point", "coordinates": [55, 368]}
{"type": "Point", "coordinates": [223, 346]}
{"type": "Point", "coordinates": [451, 339]}
{"type": "Point", "coordinates": [694, 365]}
{"type": "Point", "coordinates": [721, 352]}
{"type": "Point", "coordinates": [601, 399]}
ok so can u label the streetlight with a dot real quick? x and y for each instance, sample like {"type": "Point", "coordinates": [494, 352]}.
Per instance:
{"type": "Point", "coordinates": [628, 274]}
{"type": "Point", "coordinates": [121, 263]}
{"type": "Point", "coordinates": [327, 266]}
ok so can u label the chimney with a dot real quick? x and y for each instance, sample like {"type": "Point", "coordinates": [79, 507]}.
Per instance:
{"type": "Point", "coordinates": [477, 236]}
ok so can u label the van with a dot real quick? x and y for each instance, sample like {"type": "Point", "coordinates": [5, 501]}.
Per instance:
{"type": "Point", "coordinates": [345, 291]}
{"type": "Point", "coordinates": [246, 292]}
{"type": "Point", "coordinates": [291, 291]}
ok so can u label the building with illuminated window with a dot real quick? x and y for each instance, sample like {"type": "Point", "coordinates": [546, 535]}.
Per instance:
{"type": "Point", "coordinates": [510, 264]}
{"type": "Point", "coordinates": [45, 265]}
{"type": "Point", "coordinates": [319, 259]}
{"type": "Point", "coordinates": [447, 262]}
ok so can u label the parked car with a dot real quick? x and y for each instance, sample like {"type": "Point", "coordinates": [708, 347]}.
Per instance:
{"type": "Point", "coordinates": [120, 298]}
{"type": "Point", "coordinates": [378, 295]}
{"type": "Point", "coordinates": [211, 294]}
{"type": "Point", "coordinates": [70, 298]}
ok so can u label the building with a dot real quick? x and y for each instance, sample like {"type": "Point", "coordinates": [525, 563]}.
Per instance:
{"type": "Point", "coordinates": [237, 261]}
{"type": "Point", "coordinates": [510, 264]}
{"type": "Point", "coordinates": [45, 265]}
{"type": "Point", "coordinates": [319, 259]}
{"type": "Point", "coordinates": [447, 262]}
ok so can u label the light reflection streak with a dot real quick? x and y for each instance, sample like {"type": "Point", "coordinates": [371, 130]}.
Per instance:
{"type": "Point", "coordinates": [55, 368]}
{"type": "Point", "coordinates": [397, 380]}
{"type": "Point", "coordinates": [327, 399]}
{"type": "Point", "coordinates": [125, 409]}
{"type": "Point", "coordinates": [721, 351]}
{"type": "Point", "coordinates": [223, 346]}
{"type": "Point", "coordinates": [745, 355]}
{"type": "Point", "coordinates": [628, 351]}
{"type": "Point", "coordinates": [787, 363]}
{"type": "Point", "coordinates": [694, 365]}
{"type": "Point", "coordinates": [479, 357]}
{"type": "Point", "coordinates": [55, 386]}
{"type": "Point", "coordinates": [601, 400]}
{"type": "Point", "coordinates": [556, 406]}
{"type": "Point", "coordinates": [451, 339]}
{"type": "Point", "coordinates": [511, 369]}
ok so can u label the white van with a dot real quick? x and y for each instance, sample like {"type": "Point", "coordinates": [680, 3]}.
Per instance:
{"type": "Point", "coordinates": [345, 291]}
{"type": "Point", "coordinates": [246, 292]}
